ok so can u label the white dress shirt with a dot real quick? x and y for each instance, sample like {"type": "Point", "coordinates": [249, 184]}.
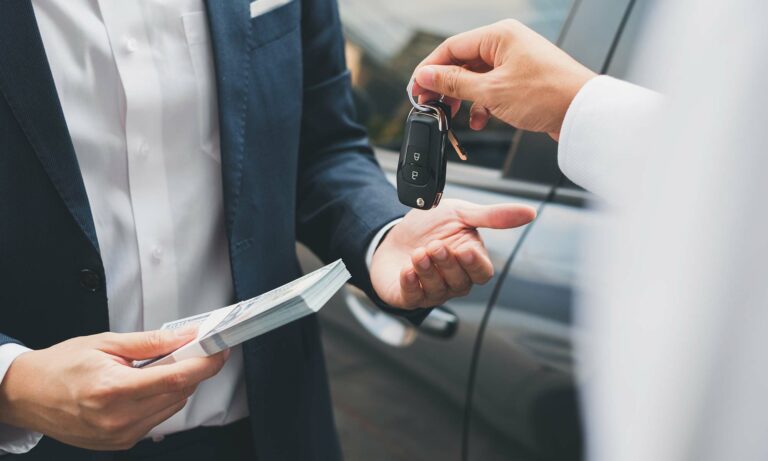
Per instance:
{"type": "Point", "coordinates": [136, 84]}
{"type": "Point", "coordinates": [673, 316]}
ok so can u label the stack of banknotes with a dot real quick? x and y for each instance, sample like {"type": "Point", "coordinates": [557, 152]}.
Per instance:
{"type": "Point", "coordinates": [231, 325]}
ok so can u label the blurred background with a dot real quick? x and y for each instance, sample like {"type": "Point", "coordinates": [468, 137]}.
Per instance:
{"type": "Point", "coordinates": [489, 376]}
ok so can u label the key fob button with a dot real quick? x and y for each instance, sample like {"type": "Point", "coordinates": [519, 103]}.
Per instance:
{"type": "Point", "coordinates": [416, 155]}
{"type": "Point", "coordinates": [415, 174]}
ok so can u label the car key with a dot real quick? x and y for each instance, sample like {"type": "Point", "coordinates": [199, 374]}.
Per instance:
{"type": "Point", "coordinates": [422, 165]}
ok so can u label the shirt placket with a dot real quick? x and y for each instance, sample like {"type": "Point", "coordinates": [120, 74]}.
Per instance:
{"type": "Point", "coordinates": [126, 27]}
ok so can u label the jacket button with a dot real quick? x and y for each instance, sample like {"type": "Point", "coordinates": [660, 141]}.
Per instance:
{"type": "Point", "coordinates": [90, 280]}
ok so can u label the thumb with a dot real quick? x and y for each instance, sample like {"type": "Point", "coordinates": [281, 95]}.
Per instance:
{"type": "Point", "coordinates": [452, 81]}
{"type": "Point", "coordinates": [148, 344]}
{"type": "Point", "coordinates": [501, 216]}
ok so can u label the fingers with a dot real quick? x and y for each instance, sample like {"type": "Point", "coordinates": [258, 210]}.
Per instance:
{"type": "Point", "coordinates": [473, 50]}
{"type": "Point", "coordinates": [121, 429]}
{"type": "Point", "coordinates": [426, 96]}
{"type": "Point", "coordinates": [153, 421]}
{"type": "Point", "coordinates": [475, 262]}
{"type": "Point", "coordinates": [175, 377]}
{"type": "Point", "coordinates": [144, 345]}
{"type": "Point", "coordinates": [501, 216]}
{"type": "Point", "coordinates": [435, 288]}
{"type": "Point", "coordinates": [410, 288]}
{"type": "Point", "coordinates": [478, 117]}
{"type": "Point", "coordinates": [143, 408]}
{"type": "Point", "coordinates": [439, 273]}
{"type": "Point", "coordinates": [154, 403]}
{"type": "Point", "coordinates": [452, 81]}
{"type": "Point", "coordinates": [455, 277]}
{"type": "Point", "coordinates": [474, 47]}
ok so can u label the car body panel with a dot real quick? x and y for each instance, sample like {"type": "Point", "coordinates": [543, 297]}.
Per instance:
{"type": "Point", "coordinates": [524, 387]}
{"type": "Point", "coordinates": [422, 381]}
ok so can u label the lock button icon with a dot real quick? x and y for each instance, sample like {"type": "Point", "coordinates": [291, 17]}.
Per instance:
{"type": "Point", "coordinates": [418, 144]}
{"type": "Point", "coordinates": [416, 155]}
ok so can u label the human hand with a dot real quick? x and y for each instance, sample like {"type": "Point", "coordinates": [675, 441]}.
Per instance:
{"type": "Point", "coordinates": [434, 255]}
{"type": "Point", "coordinates": [84, 391]}
{"type": "Point", "coordinates": [508, 71]}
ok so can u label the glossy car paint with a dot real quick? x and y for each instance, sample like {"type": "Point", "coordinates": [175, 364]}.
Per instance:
{"type": "Point", "coordinates": [382, 392]}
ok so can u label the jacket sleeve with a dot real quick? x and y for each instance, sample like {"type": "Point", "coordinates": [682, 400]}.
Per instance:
{"type": "Point", "coordinates": [343, 197]}
{"type": "Point", "coordinates": [7, 339]}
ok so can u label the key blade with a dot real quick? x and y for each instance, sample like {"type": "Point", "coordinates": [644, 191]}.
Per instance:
{"type": "Point", "coordinates": [456, 146]}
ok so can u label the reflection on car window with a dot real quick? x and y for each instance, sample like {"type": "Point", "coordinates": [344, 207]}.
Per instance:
{"type": "Point", "coordinates": [387, 39]}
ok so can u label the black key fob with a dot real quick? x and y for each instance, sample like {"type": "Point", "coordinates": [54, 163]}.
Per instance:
{"type": "Point", "coordinates": [421, 169]}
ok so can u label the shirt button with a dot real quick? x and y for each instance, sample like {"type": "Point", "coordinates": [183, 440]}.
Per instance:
{"type": "Point", "coordinates": [90, 280]}
{"type": "Point", "coordinates": [157, 253]}
{"type": "Point", "coordinates": [158, 438]}
{"type": "Point", "coordinates": [131, 44]}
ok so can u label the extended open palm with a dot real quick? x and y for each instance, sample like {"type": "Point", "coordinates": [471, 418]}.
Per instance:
{"type": "Point", "coordinates": [435, 255]}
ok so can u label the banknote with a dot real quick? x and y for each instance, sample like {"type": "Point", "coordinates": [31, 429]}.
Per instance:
{"type": "Point", "coordinates": [229, 326]}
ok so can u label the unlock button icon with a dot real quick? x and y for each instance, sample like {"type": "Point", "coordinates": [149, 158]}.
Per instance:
{"type": "Point", "coordinates": [415, 174]}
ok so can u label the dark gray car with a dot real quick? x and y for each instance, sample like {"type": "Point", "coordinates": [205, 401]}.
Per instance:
{"type": "Point", "coordinates": [489, 376]}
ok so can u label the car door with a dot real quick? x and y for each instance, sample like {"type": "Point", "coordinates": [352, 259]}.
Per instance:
{"type": "Point", "coordinates": [523, 385]}
{"type": "Point", "coordinates": [399, 392]}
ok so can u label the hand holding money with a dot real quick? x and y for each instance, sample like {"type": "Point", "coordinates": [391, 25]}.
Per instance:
{"type": "Point", "coordinates": [229, 326]}
{"type": "Point", "coordinates": [85, 392]}
{"type": "Point", "coordinates": [91, 391]}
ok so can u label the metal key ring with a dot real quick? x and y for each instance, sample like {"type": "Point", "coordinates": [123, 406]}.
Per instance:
{"type": "Point", "coordinates": [414, 103]}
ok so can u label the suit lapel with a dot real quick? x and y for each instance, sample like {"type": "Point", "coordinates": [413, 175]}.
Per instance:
{"type": "Point", "coordinates": [231, 34]}
{"type": "Point", "coordinates": [27, 84]}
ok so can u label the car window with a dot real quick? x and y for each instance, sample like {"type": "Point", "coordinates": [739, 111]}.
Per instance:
{"type": "Point", "coordinates": [387, 39]}
{"type": "Point", "coordinates": [622, 59]}
{"type": "Point", "coordinates": [619, 59]}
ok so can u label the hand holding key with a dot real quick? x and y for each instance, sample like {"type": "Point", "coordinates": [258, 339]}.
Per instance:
{"type": "Point", "coordinates": [432, 256]}
{"type": "Point", "coordinates": [507, 70]}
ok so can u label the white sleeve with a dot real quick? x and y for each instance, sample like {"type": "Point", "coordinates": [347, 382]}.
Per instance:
{"type": "Point", "coordinates": [675, 302]}
{"type": "Point", "coordinates": [377, 240]}
{"type": "Point", "coordinates": [593, 140]}
{"type": "Point", "coordinates": [12, 439]}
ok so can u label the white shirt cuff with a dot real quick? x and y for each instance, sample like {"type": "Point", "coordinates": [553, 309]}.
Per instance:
{"type": "Point", "coordinates": [14, 440]}
{"type": "Point", "coordinates": [377, 240]}
{"type": "Point", "coordinates": [593, 151]}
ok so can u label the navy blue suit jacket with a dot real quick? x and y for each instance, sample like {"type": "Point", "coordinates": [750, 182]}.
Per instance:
{"type": "Point", "coordinates": [295, 166]}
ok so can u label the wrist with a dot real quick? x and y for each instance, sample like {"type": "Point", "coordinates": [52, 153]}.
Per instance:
{"type": "Point", "coordinates": [568, 93]}
{"type": "Point", "coordinates": [378, 239]}
{"type": "Point", "coordinates": [12, 389]}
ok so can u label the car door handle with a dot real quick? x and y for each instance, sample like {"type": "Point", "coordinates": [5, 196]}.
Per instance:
{"type": "Point", "coordinates": [384, 327]}
{"type": "Point", "coordinates": [441, 323]}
